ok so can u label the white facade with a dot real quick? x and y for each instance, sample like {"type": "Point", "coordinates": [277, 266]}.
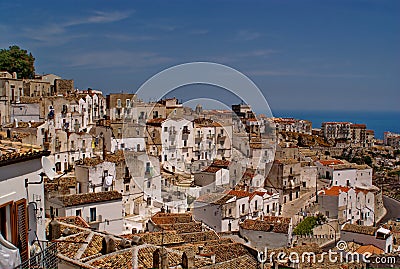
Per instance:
{"type": "Point", "coordinates": [128, 143]}
{"type": "Point", "coordinates": [97, 178]}
{"type": "Point", "coordinates": [103, 216]}
{"type": "Point", "coordinates": [177, 144]}
{"type": "Point", "coordinates": [13, 190]}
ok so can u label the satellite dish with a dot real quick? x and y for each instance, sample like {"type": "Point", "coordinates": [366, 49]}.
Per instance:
{"type": "Point", "coordinates": [49, 168]}
{"type": "Point", "coordinates": [108, 180]}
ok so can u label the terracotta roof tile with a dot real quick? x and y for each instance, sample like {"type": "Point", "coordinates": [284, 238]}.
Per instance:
{"type": "Point", "coordinates": [171, 218]}
{"type": "Point", "coordinates": [265, 226]}
{"type": "Point", "coordinates": [369, 249]}
{"type": "Point", "coordinates": [87, 198]}
{"type": "Point", "coordinates": [359, 229]}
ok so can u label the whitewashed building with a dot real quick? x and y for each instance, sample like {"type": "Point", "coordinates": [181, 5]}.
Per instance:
{"type": "Point", "coordinates": [101, 210]}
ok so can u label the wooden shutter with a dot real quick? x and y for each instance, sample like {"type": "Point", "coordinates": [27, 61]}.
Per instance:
{"type": "Point", "coordinates": [22, 228]}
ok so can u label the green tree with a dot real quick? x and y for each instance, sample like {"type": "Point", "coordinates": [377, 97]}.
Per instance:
{"type": "Point", "coordinates": [15, 59]}
{"type": "Point", "coordinates": [305, 227]}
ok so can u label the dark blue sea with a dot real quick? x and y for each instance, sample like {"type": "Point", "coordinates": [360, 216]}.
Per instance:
{"type": "Point", "coordinates": [380, 122]}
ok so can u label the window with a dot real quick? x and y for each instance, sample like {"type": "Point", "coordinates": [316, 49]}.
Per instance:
{"type": "Point", "coordinates": [148, 167]}
{"type": "Point", "coordinates": [128, 103]}
{"type": "Point", "coordinates": [243, 209]}
{"type": "Point", "coordinates": [148, 184]}
{"type": "Point", "coordinates": [78, 212]}
{"type": "Point", "coordinates": [93, 214]}
{"type": "Point", "coordinates": [165, 158]}
{"type": "Point", "coordinates": [127, 187]}
{"type": "Point", "coordinates": [165, 129]}
{"type": "Point", "coordinates": [267, 209]}
{"type": "Point", "coordinates": [255, 204]}
{"type": "Point", "coordinates": [119, 102]}
{"type": "Point", "coordinates": [230, 211]}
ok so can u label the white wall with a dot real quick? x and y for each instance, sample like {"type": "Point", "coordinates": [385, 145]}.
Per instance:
{"type": "Point", "coordinates": [110, 210]}
{"type": "Point", "coordinates": [341, 177]}
{"type": "Point", "coordinates": [12, 188]}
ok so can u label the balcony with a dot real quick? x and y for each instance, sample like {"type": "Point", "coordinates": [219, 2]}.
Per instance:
{"type": "Point", "coordinates": [98, 219]}
{"type": "Point", "coordinates": [221, 137]}
{"type": "Point", "coordinates": [127, 179]}
{"type": "Point", "coordinates": [210, 136]}
{"type": "Point", "coordinates": [47, 258]}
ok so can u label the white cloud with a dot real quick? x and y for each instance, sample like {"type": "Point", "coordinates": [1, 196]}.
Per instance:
{"type": "Point", "coordinates": [199, 32]}
{"type": "Point", "coordinates": [99, 17]}
{"type": "Point", "coordinates": [248, 35]}
{"type": "Point", "coordinates": [280, 73]}
{"type": "Point", "coordinates": [118, 58]}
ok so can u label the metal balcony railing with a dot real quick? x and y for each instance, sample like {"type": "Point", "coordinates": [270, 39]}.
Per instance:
{"type": "Point", "coordinates": [46, 259]}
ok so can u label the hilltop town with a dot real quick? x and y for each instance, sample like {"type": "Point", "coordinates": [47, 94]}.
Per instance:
{"type": "Point", "coordinates": [161, 185]}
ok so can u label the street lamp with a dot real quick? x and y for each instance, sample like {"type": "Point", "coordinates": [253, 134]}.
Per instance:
{"type": "Point", "coordinates": [333, 230]}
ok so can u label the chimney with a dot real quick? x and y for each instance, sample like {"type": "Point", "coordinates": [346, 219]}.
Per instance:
{"type": "Point", "coordinates": [201, 251]}
{"type": "Point", "coordinates": [160, 259]}
{"type": "Point", "coordinates": [54, 229]}
{"type": "Point", "coordinates": [14, 75]}
{"type": "Point", "coordinates": [188, 259]}
{"type": "Point", "coordinates": [213, 258]}
{"type": "Point", "coordinates": [107, 245]}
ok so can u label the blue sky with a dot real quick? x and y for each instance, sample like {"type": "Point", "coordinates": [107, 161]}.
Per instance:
{"type": "Point", "coordinates": [303, 55]}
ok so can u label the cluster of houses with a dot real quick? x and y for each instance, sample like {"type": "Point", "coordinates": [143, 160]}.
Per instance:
{"type": "Point", "coordinates": [133, 169]}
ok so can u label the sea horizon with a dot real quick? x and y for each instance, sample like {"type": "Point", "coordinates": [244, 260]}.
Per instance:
{"type": "Point", "coordinates": [379, 121]}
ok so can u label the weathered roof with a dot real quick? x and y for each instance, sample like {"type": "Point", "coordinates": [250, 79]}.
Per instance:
{"type": "Point", "coordinates": [14, 152]}
{"type": "Point", "coordinates": [88, 198]}
{"type": "Point", "coordinates": [116, 157]}
{"type": "Point", "coordinates": [74, 220]}
{"type": "Point", "coordinates": [221, 163]}
{"type": "Point", "coordinates": [369, 249]}
{"type": "Point", "coordinates": [167, 237]}
{"type": "Point", "coordinates": [335, 190]}
{"type": "Point", "coordinates": [92, 161]}
{"type": "Point", "coordinates": [261, 225]}
{"type": "Point", "coordinates": [330, 162]}
{"type": "Point", "coordinates": [360, 229]}
{"type": "Point", "coordinates": [171, 218]}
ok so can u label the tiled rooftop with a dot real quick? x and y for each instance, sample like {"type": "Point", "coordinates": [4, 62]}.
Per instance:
{"type": "Point", "coordinates": [171, 218]}
{"type": "Point", "coordinates": [359, 229]}
{"type": "Point", "coordinates": [92, 161]}
{"type": "Point", "coordinates": [183, 227]}
{"type": "Point", "coordinates": [261, 225]}
{"type": "Point", "coordinates": [202, 122]}
{"type": "Point", "coordinates": [199, 236]}
{"type": "Point", "coordinates": [71, 247]}
{"type": "Point", "coordinates": [221, 163]}
{"type": "Point", "coordinates": [214, 198]}
{"type": "Point", "coordinates": [23, 124]}
{"type": "Point", "coordinates": [11, 152]}
{"type": "Point", "coordinates": [335, 190]}
{"type": "Point", "coordinates": [116, 157]}
{"type": "Point", "coordinates": [369, 249]}
{"type": "Point", "coordinates": [87, 198]}
{"type": "Point", "coordinates": [74, 220]}
{"type": "Point", "coordinates": [330, 162]}
{"type": "Point", "coordinates": [168, 237]}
